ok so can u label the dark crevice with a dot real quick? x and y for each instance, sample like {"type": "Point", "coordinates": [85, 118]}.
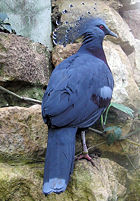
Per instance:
{"type": "Point", "coordinates": [21, 88]}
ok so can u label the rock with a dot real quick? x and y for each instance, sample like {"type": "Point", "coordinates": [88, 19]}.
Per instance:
{"type": "Point", "coordinates": [133, 191]}
{"type": "Point", "coordinates": [120, 27]}
{"type": "Point", "coordinates": [22, 89]}
{"type": "Point", "coordinates": [125, 86]}
{"type": "Point", "coordinates": [30, 19]}
{"type": "Point", "coordinates": [60, 53]}
{"type": "Point", "coordinates": [87, 183]}
{"type": "Point", "coordinates": [137, 62]}
{"type": "Point", "coordinates": [132, 17]}
{"type": "Point", "coordinates": [23, 133]}
{"type": "Point", "coordinates": [111, 16]}
{"type": "Point", "coordinates": [109, 182]}
{"type": "Point", "coordinates": [125, 89]}
{"type": "Point", "coordinates": [22, 144]}
{"type": "Point", "coordinates": [21, 182]}
{"type": "Point", "coordinates": [130, 4]}
{"type": "Point", "coordinates": [100, 184]}
{"type": "Point", "coordinates": [102, 187]}
{"type": "Point", "coordinates": [23, 60]}
{"type": "Point", "coordinates": [115, 4]}
{"type": "Point", "coordinates": [126, 153]}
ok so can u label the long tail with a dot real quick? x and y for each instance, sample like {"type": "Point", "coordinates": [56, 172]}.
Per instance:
{"type": "Point", "coordinates": [59, 159]}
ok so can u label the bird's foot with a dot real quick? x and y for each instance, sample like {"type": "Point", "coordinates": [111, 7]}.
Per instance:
{"type": "Point", "coordinates": [87, 157]}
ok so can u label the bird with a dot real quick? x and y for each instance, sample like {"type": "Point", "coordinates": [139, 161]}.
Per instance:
{"type": "Point", "coordinates": [79, 90]}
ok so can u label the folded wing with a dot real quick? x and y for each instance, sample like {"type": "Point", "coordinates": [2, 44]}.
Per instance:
{"type": "Point", "coordinates": [73, 100]}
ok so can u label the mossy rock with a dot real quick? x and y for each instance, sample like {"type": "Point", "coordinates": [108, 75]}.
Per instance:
{"type": "Point", "coordinates": [133, 192]}
{"type": "Point", "coordinates": [108, 181]}
{"type": "Point", "coordinates": [22, 89]}
{"type": "Point", "coordinates": [20, 182]}
{"type": "Point", "coordinates": [101, 183]}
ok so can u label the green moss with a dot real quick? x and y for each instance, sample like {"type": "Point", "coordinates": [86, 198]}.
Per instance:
{"type": "Point", "coordinates": [1, 69]}
{"type": "Point", "coordinates": [15, 190]}
{"type": "Point", "coordinates": [32, 92]}
{"type": "Point", "coordinates": [22, 159]}
{"type": "Point", "coordinates": [20, 183]}
{"type": "Point", "coordinates": [79, 187]}
{"type": "Point", "coordinates": [22, 89]}
{"type": "Point", "coordinates": [133, 186]}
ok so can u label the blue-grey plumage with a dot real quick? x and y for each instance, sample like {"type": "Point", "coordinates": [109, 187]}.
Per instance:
{"type": "Point", "coordinates": [79, 90]}
{"type": "Point", "coordinates": [59, 159]}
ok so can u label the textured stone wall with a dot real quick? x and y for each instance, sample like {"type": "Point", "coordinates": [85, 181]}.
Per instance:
{"type": "Point", "coordinates": [131, 14]}
{"type": "Point", "coordinates": [25, 67]}
{"type": "Point", "coordinates": [30, 18]}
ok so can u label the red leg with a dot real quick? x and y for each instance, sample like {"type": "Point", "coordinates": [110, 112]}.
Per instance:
{"type": "Point", "coordinates": [85, 150]}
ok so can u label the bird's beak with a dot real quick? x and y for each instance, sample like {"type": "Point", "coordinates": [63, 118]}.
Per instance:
{"type": "Point", "coordinates": [111, 33]}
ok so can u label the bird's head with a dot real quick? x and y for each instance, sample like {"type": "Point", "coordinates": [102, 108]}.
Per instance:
{"type": "Point", "coordinates": [87, 27]}
{"type": "Point", "coordinates": [96, 28]}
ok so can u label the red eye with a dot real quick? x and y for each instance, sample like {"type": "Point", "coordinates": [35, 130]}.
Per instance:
{"type": "Point", "coordinates": [101, 27]}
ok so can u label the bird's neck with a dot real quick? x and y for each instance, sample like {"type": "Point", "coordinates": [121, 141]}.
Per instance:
{"type": "Point", "coordinates": [94, 45]}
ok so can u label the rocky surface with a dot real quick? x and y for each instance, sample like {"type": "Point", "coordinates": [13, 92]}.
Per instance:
{"type": "Point", "coordinates": [21, 182]}
{"type": "Point", "coordinates": [23, 144]}
{"type": "Point", "coordinates": [109, 182]}
{"type": "Point", "coordinates": [60, 52]}
{"type": "Point", "coordinates": [23, 60]}
{"type": "Point", "coordinates": [120, 151]}
{"type": "Point", "coordinates": [25, 69]}
{"type": "Point", "coordinates": [132, 18]}
{"type": "Point", "coordinates": [130, 4]}
{"type": "Point", "coordinates": [137, 62]}
{"type": "Point", "coordinates": [23, 133]}
{"type": "Point", "coordinates": [90, 183]}
{"type": "Point", "coordinates": [30, 19]}
{"type": "Point", "coordinates": [115, 4]}
{"type": "Point", "coordinates": [22, 89]}
{"type": "Point", "coordinates": [125, 85]}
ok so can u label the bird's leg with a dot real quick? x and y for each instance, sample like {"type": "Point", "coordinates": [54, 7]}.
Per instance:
{"type": "Point", "coordinates": [85, 154]}
{"type": "Point", "coordinates": [83, 136]}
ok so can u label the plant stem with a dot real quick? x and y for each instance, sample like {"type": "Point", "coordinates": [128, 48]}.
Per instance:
{"type": "Point", "coordinates": [20, 97]}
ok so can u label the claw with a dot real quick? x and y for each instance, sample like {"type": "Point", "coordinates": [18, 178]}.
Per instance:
{"type": "Point", "coordinates": [88, 158]}
{"type": "Point", "coordinates": [85, 154]}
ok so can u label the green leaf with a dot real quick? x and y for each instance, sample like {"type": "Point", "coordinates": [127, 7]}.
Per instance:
{"type": "Point", "coordinates": [123, 108]}
{"type": "Point", "coordinates": [106, 115]}
{"type": "Point", "coordinates": [114, 134]}
{"type": "Point", "coordinates": [118, 132]}
{"type": "Point", "coordinates": [102, 120]}
{"type": "Point", "coordinates": [118, 106]}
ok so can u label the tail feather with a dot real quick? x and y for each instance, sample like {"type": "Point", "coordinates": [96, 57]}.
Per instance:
{"type": "Point", "coordinates": [59, 159]}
